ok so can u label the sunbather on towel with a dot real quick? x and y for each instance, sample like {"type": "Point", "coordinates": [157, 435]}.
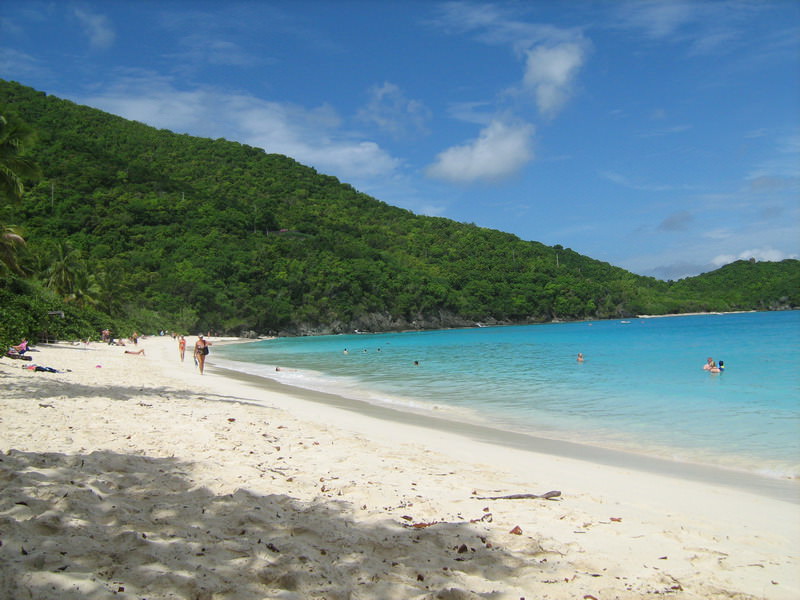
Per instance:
{"type": "Point", "coordinates": [18, 351]}
{"type": "Point", "coordinates": [20, 348]}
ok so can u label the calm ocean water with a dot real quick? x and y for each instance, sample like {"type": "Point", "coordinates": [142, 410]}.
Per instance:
{"type": "Point", "coordinates": [642, 387]}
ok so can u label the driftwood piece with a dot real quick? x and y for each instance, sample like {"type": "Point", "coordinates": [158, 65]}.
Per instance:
{"type": "Point", "coordinates": [545, 496]}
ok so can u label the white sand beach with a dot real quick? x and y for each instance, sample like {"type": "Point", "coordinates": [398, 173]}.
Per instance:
{"type": "Point", "coordinates": [134, 477]}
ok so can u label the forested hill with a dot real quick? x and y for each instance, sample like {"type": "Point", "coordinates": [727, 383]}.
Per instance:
{"type": "Point", "coordinates": [159, 230]}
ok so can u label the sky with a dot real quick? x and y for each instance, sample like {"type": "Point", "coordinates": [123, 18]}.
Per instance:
{"type": "Point", "coordinates": [659, 136]}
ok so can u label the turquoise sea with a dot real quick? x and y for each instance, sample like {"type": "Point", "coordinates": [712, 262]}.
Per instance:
{"type": "Point", "coordinates": [641, 389]}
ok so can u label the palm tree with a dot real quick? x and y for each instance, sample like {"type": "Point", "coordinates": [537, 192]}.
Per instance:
{"type": "Point", "coordinates": [86, 290]}
{"type": "Point", "coordinates": [10, 242]}
{"type": "Point", "coordinates": [65, 270]}
{"type": "Point", "coordinates": [15, 139]}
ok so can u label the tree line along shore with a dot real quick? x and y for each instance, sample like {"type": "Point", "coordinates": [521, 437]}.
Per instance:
{"type": "Point", "coordinates": [107, 222]}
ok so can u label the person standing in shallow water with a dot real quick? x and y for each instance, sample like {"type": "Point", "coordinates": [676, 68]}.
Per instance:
{"type": "Point", "coordinates": [200, 352]}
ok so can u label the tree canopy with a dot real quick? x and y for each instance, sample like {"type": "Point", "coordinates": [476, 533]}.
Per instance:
{"type": "Point", "coordinates": [150, 229]}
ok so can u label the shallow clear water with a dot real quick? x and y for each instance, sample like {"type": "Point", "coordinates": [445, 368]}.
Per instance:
{"type": "Point", "coordinates": [641, 388]}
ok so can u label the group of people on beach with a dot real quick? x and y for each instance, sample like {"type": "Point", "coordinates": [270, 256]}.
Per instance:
{"type": "Point", "coordinates": [713, 367]}
{"type": "Point", "coordinates": [200, 350]}
{"type": "Point", "coordinates": [107, 338]}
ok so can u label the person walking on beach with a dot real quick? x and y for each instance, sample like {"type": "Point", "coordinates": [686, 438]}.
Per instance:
{"type": "Point", "coordinates": [200, 352]}
{"type": "Point", "coordinates": [182, 346]}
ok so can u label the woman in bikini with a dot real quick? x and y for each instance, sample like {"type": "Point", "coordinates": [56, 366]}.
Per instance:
{"type": "Point", "coordinates": [200, 352]}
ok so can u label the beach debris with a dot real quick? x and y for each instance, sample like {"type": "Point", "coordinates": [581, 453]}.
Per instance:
{"type": "Point", "coordinates": [546, 496]}
{"type": "Point", "coordinates": [421, 525]}
{"type": "Point", "coordinates": [486, 517]}
{"type": "Point", "coordinates": [517, 530]}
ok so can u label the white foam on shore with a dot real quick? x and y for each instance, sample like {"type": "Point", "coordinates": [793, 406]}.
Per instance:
{"type": "Point", "coordinates": [615, 441]}
{"type": "Point", "coordinates": [350, 388]}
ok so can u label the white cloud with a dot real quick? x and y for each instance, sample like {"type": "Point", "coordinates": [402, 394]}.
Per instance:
{"type": "Point", "coordinates": [629, 183]}
{"type": "Point", "coordinates": [501, 149]}
{"type": "Point", "coordinates": [97, 27]}
{"type": "Point", "coordinates": [676, 264]}
{"type": "Point", "coordinates": [658, 19]}
{"type": "Point", "coordinates": [552, 55]}
{"type": "Point", "coordinates": [494, 24]}
{"type": "Point", "coordinates": [392, 112]}
{"type": "Point", "coordinates": [699, 27]}
{"type": "Point", "coordinates": [664, 131]}
{"type": "Point", "coordinates": [202, 50]}
{"type": "Point", "coordinates": [16, 64]}
{"type": "Point", "coordinates": [311, 136]}
{"type": "Point", "coordinates": [762, 254]}
{"type": "Point", "coordinates": [784, 163]}
{"type": "Point", "coordinates": [550, 73]}
{"type": "Point", "coordinates": [718, 234]}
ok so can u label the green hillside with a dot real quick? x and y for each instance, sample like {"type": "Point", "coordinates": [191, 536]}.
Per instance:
{"type": "Point", "coordinates": [150, 229]}
{"type": "Point", "coordinates": [747, 285]}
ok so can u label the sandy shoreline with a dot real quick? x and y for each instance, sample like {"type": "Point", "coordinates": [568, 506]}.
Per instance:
{"type": "Point", "coordinates": [778, 488]}
{"type": "Point", "coordinates": [141, 479]}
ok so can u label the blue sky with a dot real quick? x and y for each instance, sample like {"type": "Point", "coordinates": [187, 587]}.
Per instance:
{"type": "Point", "coordinates": [662, 137]}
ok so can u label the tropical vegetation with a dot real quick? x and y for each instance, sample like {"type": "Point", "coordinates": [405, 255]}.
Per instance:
{"type": "Point", "coordinates": [130, 227]}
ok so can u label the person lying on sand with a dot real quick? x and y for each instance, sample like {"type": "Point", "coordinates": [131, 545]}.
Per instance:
{"type": "Point", "coordinates": [139, 352]}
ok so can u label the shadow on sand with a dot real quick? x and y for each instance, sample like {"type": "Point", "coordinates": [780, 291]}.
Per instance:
{"type": "Point", "coordinates": [106, 524]}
